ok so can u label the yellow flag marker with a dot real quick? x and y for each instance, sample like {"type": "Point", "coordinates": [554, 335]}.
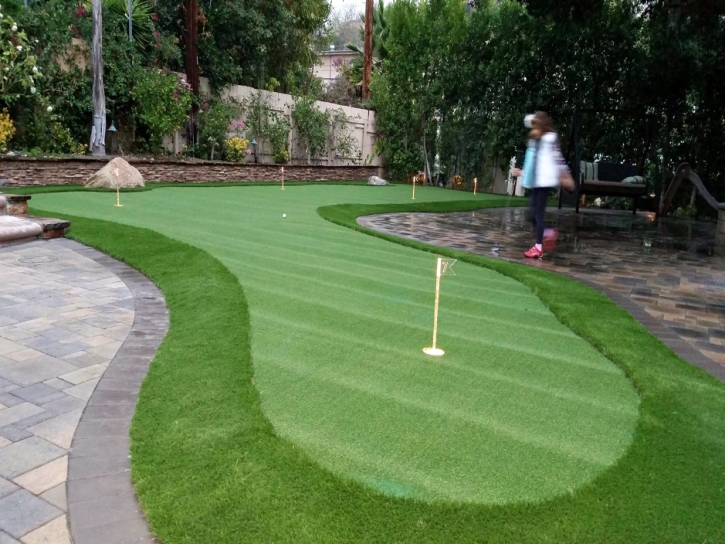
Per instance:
{"type": "Point", "coordinates": [118, 192]}
{"type": "Point", "coordinates": [443, 266]}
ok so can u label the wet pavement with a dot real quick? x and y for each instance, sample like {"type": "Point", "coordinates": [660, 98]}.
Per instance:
{"type": "Point", "coordinates": [664, 272]}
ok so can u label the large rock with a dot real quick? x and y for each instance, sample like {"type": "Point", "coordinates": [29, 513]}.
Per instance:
{"type": "Point", "coordinates": [128, 176]}
{"type": "Point", "coordinates": [375, 180]}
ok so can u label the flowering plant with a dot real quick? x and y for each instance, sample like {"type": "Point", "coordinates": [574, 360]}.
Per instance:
{"type": "Point", "coordinates": [236, 148]}
{"type": "Point", "coordinates": [18, 70]}
{"type": "Point", "coordinates": [7, 129]}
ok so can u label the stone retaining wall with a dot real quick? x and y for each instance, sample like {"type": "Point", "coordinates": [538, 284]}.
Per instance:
{"type": "Point", "coordinates": [23, 171]}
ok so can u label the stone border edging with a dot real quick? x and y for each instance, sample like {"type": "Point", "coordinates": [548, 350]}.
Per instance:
{"type": "Point", "coordinates": [666, 335]}
{"type": "Point", "coordinates": [102, 503]}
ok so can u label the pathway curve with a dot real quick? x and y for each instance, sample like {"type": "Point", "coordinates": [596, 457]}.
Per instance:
{"type": "Point", "coordinates": [664, 273]}
{"type": "Point", "coordinates": [77, 332]}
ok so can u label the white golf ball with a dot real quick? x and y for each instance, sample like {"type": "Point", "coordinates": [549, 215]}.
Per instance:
{"type": "Point", "coordinates": [284, 215]}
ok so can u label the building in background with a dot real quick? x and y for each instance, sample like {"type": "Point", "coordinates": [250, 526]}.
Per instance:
{"type": "Point", "coordinates": [330, 62]}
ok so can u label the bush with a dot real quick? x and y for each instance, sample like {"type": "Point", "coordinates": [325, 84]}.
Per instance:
{"type": "Point", "coordinates": [161, 102]}
{"type": "Point", "coordinates": [278, 130]}
{"type": "Point", "coordinates": [217, 119]}
{"type": "Point", "coordinates": [281, 156]}
{"type": "Point", "coordinates": [7, 129]}
{"type": "Point", "coordinates": [236, 149]}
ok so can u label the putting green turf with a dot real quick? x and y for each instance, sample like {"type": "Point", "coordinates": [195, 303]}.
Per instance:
{"type": "Point", "coordinates": [519, 408]}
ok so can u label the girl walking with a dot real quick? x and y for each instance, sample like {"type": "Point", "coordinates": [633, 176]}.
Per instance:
{"type": "Point", "coordinates": [543, 168]}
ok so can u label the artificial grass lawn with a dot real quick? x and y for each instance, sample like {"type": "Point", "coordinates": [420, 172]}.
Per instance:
{"type": "Point", "coordinates": [231, 479]}
{"type": "Point", "coordinates": [519, 409]}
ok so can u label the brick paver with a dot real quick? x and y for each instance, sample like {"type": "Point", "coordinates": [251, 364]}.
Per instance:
{"type": "Point", "coordinates": [664, 272]}
{"type": "Point", "coordinates": [66, 312]}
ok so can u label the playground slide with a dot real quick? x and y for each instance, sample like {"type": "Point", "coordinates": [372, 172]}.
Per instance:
{"type": "Point", "coordinates": [685, 172]}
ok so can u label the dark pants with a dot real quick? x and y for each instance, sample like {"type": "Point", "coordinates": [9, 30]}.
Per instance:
{"type": "Point", "coordinates": [539, 196]}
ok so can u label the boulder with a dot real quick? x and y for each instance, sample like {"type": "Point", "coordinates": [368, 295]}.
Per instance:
{"type": "Point", "coordinates": [375, 180]}
{"type": "Point", "coordinates": [106, 177]}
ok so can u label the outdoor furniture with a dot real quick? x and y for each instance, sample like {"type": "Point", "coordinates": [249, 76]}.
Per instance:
{"type": "Point", "coordinates": [609, 179]}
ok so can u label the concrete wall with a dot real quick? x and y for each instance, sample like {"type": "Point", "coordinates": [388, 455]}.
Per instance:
{"type": "Point", "coordinates": [361, 125]}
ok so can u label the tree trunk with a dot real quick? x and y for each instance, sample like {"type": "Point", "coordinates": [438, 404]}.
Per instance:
{"type": "Point", "coordinates": [367, 50]}
{"type": "Point", "coordinates": [98, 132]}
{"type": "Point", "coordinates": [191, 64]}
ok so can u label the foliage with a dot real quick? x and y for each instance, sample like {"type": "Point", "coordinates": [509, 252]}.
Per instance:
{"type": "Point", "coordinates": [247, 43]}
{"type": "Point", "coordinates": [217, 118]}
{"type": "Point", "coordinates": [62, 33]}
{"type": "Point", "coordinates": [7, 129]}
{"type": "Point", "coordinates": [58, 138]}
{"type": "Point", "coordinates": [342, 142]}
{"type": "Point", "coordinates": [19, 72]}
{"type": "Point", "coordinates": [343, 26]}
{"type": "Point", "coordinates": [459, 84]}
{"type": "Point", "coordinates": [312, 125]}
{"type": "Point", "coordinates": [161, 103]}
{"type": "Point", "coordinates": [342, 90]}
{"type": "Point", "coordinates": [142, 23]}
{"type": "Point", "coordinates": [264, 124]}
{"type": "Point", "coordinates": [278, 129]}
{"type": "Point", "coordinates": [236, 149]}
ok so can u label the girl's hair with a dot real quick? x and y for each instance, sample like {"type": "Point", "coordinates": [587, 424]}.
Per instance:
{"type": "Point", "coordinates": [544, 122]}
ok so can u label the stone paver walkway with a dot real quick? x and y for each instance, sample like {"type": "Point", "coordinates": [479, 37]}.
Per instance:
{"type": "Point", "coordinates": [665, 272]}
{"type": "Point", "coordinates": [64, 315]}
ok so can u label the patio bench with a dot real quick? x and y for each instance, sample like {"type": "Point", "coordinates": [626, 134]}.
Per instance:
{"type": "Point", "coordinates": [610, 179]}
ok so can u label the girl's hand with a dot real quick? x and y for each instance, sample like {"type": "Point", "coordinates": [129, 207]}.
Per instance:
{"type": "Point", "coordinates": [516, 172]}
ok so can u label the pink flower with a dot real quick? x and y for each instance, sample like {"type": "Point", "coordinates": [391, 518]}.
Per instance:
{"type": "Point", "coordinates": [176, 96]}
{"type": "Point", "coordinates": [157, 34]}
{"type": "Point", "coordinates": [154, 17]}
{"type": "Point", "coordinates": [158, 46]}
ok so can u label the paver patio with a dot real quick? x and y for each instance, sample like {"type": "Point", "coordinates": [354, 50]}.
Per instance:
{"type": "Point", "coordinates": [664, 272]}
{"type": "Point", "coordinates": [64, 315]}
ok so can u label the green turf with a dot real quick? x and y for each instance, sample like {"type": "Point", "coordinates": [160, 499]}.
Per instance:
{"type": "Point", "coordinates": [520, 409]}
{"type": "Point", "coordinates": [668, 488]}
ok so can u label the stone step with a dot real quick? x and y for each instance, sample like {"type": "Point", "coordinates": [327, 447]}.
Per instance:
{"type": "Point", "coordinates": [18, 228]}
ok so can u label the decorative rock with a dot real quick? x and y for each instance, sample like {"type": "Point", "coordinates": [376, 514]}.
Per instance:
{"type": "Point", "coordinates": [3, 205]}
{"type": "Point", "coordinates": [106, 177]}
{"type": "Point", "coordinates": [375, 180]}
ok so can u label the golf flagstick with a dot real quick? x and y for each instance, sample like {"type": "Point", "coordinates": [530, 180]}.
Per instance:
{"type": "Point", "coordinates": [118, 192]}
{"type": "Point", "coordinates": [443, 266]}
{"type": "Point", "coordinates": [282, 178]}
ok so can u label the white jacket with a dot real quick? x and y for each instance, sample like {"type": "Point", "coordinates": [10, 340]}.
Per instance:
{"type": "Point", "coordinates": [549, 163]}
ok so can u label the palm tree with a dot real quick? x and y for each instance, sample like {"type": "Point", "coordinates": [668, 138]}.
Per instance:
{"type": "Point", "coordinates": [380, 52]}
{"type": "Point", "coordinates": [98, 132]}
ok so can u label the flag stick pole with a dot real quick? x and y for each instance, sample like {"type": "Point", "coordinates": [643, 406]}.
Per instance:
{"type": "Point", "coordinates": [118, 192]}
{"type": "Point", "coordinates": [434, 350]}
